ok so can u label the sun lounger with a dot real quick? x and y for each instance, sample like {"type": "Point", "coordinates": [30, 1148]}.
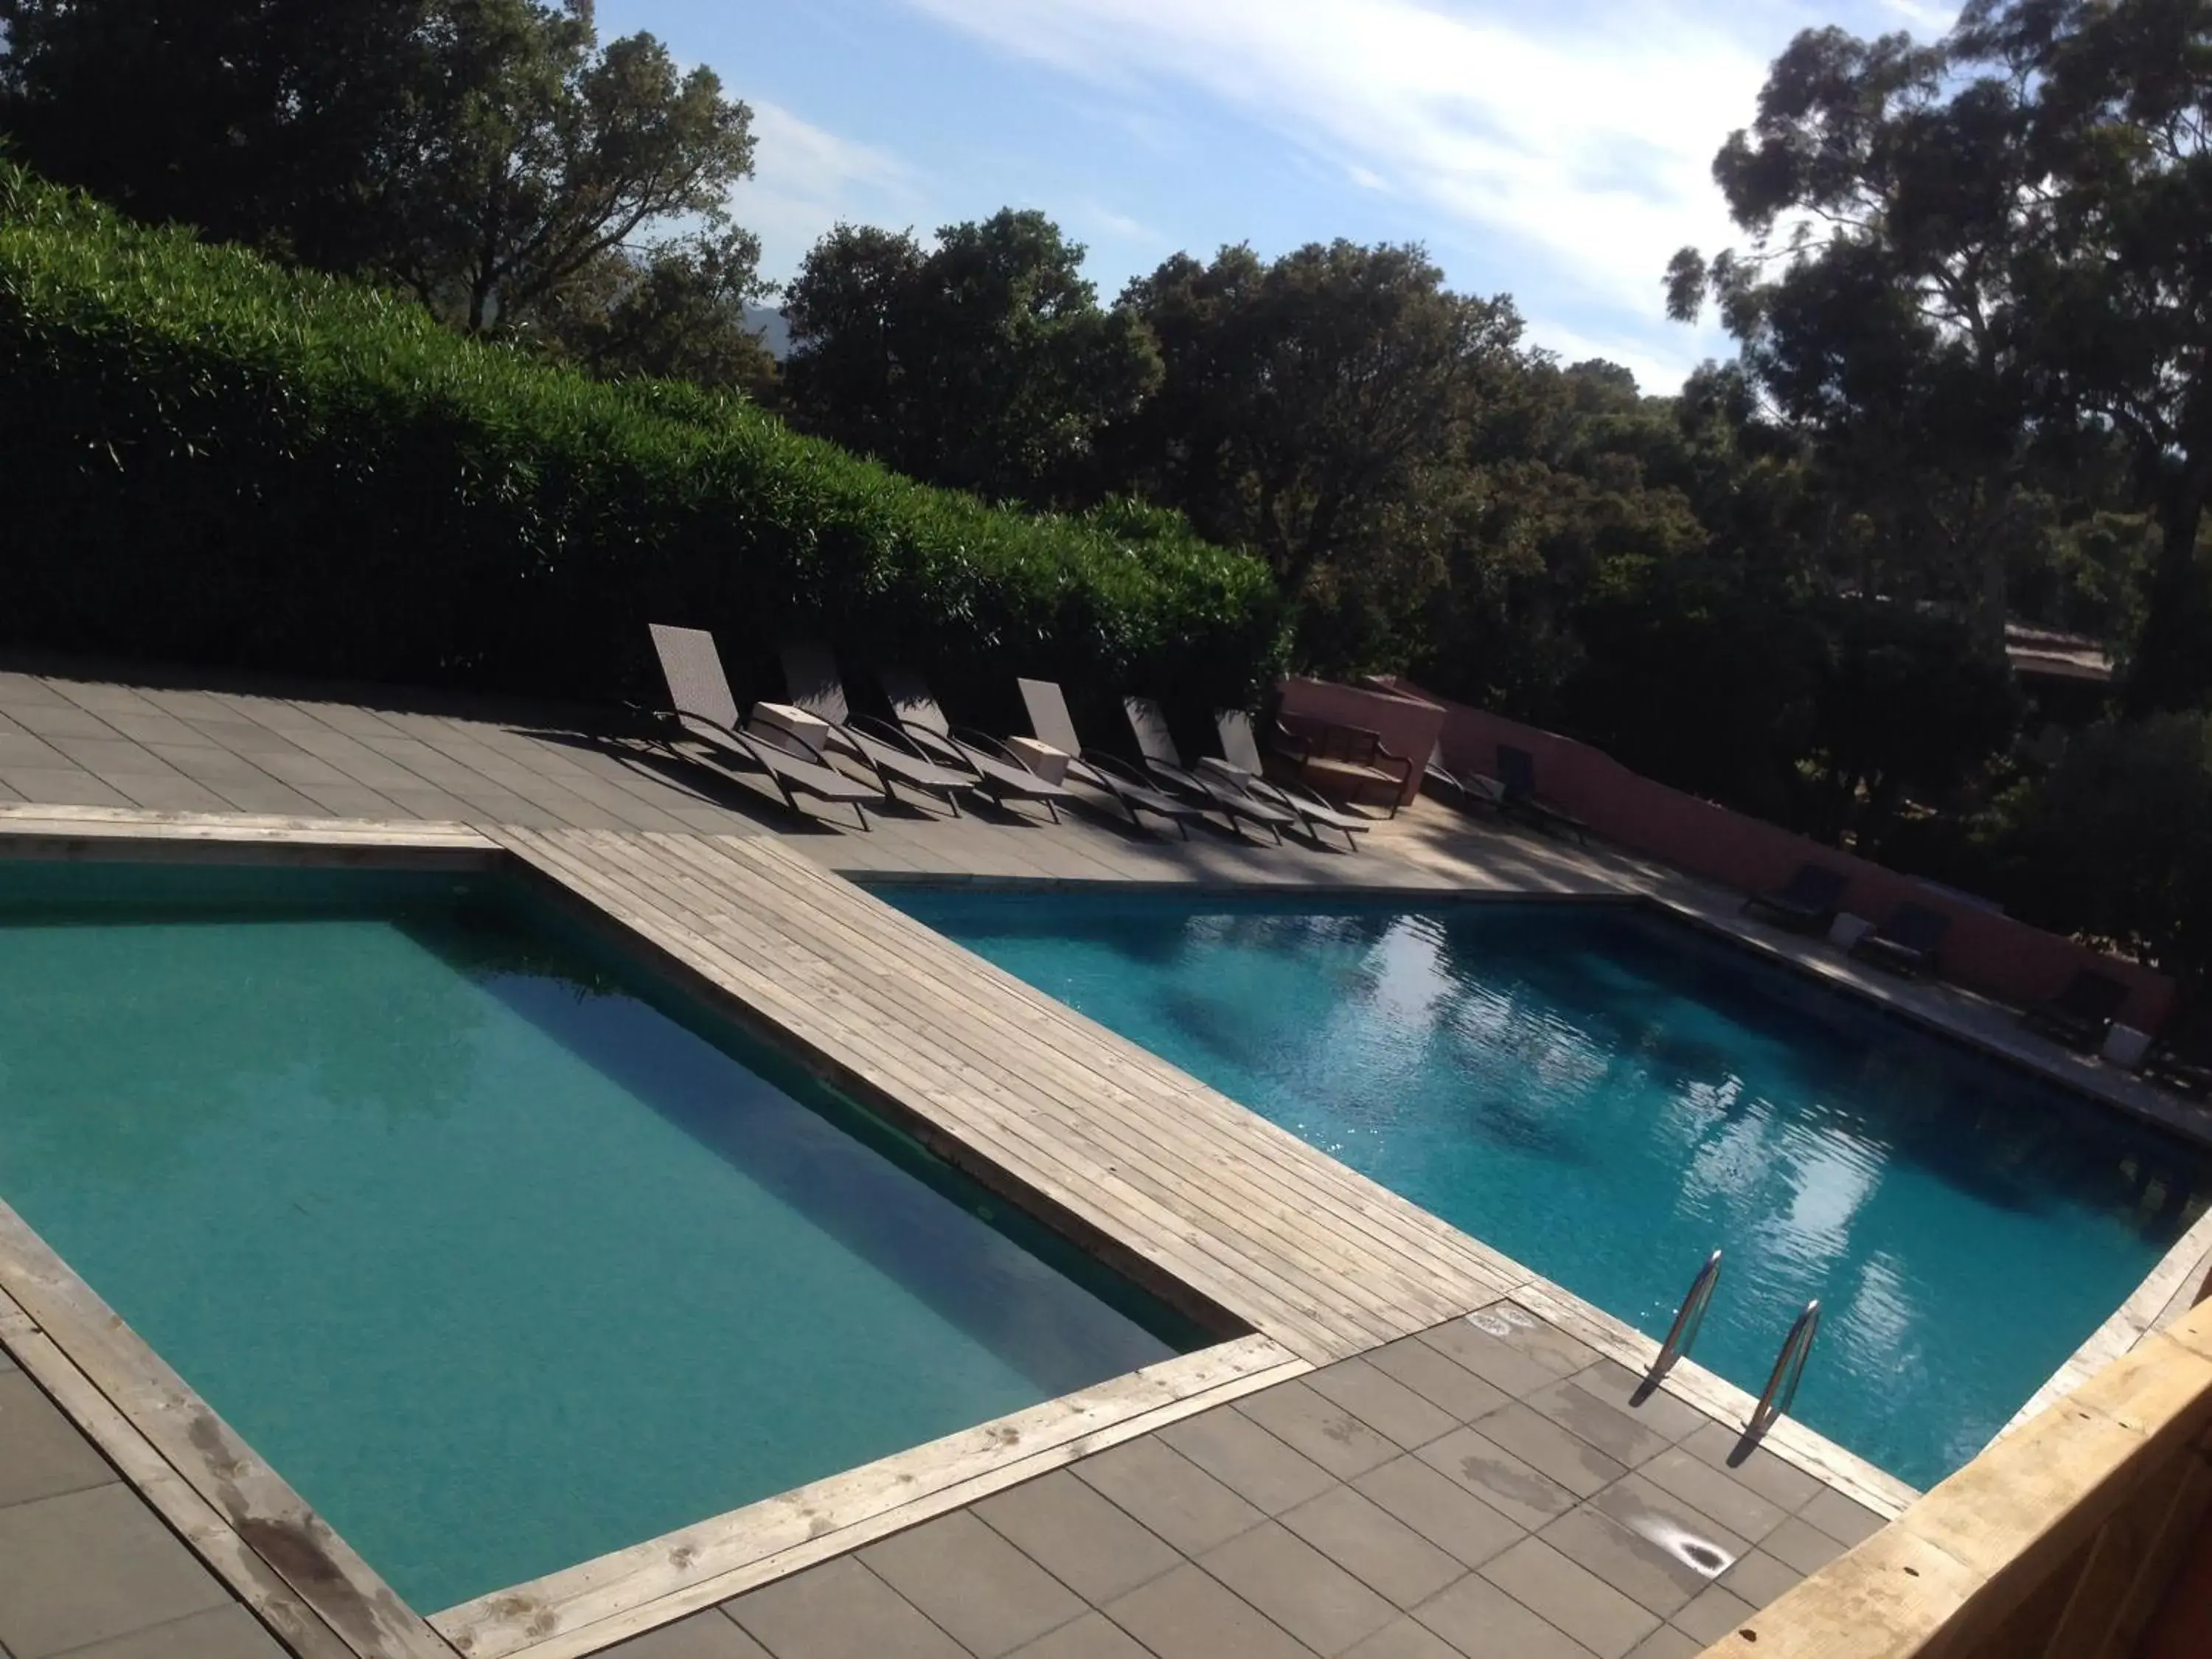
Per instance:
{"type": "Point", "coordinates": [998, 770]}
{"type": "Point", "coordinates": [1472, 789]}
{"type": "Point", "coordinates": [810, 675]}
{"type": "Point", "coordinates": [1054, 725]}
{"type": "Point", "coordinates": [2182, 1057]}
{"type": "Point", "coordinates": [2079, 1015]}
{"type": "Point", "coordinates": [1806, 901]}
{"type": "Point", "coordinates": [1162, 760]}
{"type": "Point", "coordinates": [1240, 749]}
{"type": "Point", "coordinates": [1907, 942]}
{"type": "Point", "coordinates": [1517, 797]}
{"type": "Point", "coordinates": [701, 705]}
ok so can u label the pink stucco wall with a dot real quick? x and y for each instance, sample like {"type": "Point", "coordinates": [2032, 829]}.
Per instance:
{"type": "Point", "coordinates": [1995, 955]}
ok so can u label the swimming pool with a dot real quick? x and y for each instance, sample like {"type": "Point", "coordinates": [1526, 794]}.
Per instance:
{"type": "Point", "coordinates": [504, 1255]}
{"type": "Point", "coordinates": [1608, 1096]}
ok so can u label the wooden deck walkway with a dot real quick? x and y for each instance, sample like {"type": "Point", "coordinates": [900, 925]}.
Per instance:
{"type": "Point", "coordinates": [1157, 1173]}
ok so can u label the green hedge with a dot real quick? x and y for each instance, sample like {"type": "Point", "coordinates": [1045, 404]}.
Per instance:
{"type": "Point", "coordinates": [207, 458]}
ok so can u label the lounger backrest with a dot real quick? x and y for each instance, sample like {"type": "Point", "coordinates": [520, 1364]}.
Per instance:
{"type": "Point", "coordinates": [810, 675]}
{"type": "Point", "coordinates": [1150, 728]}
{"type": "Point", "coordinates": [1239, 746]}
{"type": "Point", "coordinates": [1048, 715]}
{"type": "Point", "coordinates": [693, 668]}
{"type": "Point", "coordinates": [1916, 928]}
{"type": "Point", "coordinates": [1516, 769]}
{"type": "Point", "coordinates": [1817, 886]}
{"type": "Point", "coordinates": [911, 702]}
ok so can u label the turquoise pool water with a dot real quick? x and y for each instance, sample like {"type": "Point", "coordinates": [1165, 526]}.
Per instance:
{"type": "Point", "coordinates": [1608, 1097]}
{"type": "Point", "coordinates": [499, 1255]}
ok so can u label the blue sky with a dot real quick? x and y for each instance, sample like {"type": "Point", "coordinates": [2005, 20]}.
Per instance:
{"type": "Point", "coordinates": [1558, 152]}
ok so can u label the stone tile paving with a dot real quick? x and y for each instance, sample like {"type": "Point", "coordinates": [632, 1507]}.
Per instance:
{"type": "Point", "coordinates": [1372, 1510]}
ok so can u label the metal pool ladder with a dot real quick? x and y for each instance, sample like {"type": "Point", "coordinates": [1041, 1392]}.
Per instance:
{"type": "Point", "coordinates": [1789, 1367]}
{"type": "Point", "coordinates": [1690, 1316]}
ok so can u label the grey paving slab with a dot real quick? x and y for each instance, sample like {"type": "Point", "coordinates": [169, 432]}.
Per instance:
{"type": "Point", "coordinates": [1637, 1566]}
{"type": "Point", "coordinates": [1166, 1492]}
{"type": "Point", "coordinates": [1615, 1430]}
{"type": "Point", "coordinates": [102, 755]}
{"type": "Point", "coordinates": [101, 697]}
{"type": "Point", "coordinates": [60, 719]}
{"type": "Point", "coordinates": [20, 691]}
{"type": "Point", "coordinates": [1546, 1447]}
{"type": "Point", "coordinates": [708, 1635]}
{"type": "Point", "coordinates": [1571, 1597]}
{"type": "Point", "coordinates": [839, 1610]}
{"type": "Point", "coordinates": [208, 764]}
{"type": "Point", "coordinates": [1713, 1615]}
{"type": "Point", "coordinates": [1760, 1578]}
{"type": "Point", "coordinates": [1327, 1433]}
{"type": "Point", "coordinates": [1094, 1636]}
{"type": "Point", "coordinates": [1441, 1509]}
{"type": "Point", "coordinates": [1715, 1492]}
{"type": "Point", "coordinates": [1523, 1494]}
{"type": "Point", "coordinates": [61, 787]}
{"type": "Point", "coordinates": [973, 1584]}
{"type": "Point", "coordinates": [85, 1566]}
{"type": "Point", "coordinates": [1090, 1544]}
{"type": "Point", "coordinates": [1377, 1548]}
{"type": "Point", "coordinates": [1266, 1472]}
{"type": "Point", "coordinates": [1781, 1484]}
{"type": "Point", "coordinates": [1382, 1403]}
{"type": "Point", "coordinates": [31, 753]}
{"type": "Point", "coordinates": [1482, 1622]}
{"type": "Point", "coordinates": [1504, 1367]}
{"type": "Point", "coordinates": [149, 725]}
{"type": "Point", "coordinates": [1438, 1378]}
{"type": "Point", "coordinates": [169, 792]}
{"type": "Point", "coordinates": [266, 796]}
{"type": "Point", "coordinates": [225, 1632]}
{"type": "Point", "coordinates": [350, 800]}
{"type": "Point", "coordinates": [1800, 1544]}
{"type": "Point", "coordinates": [1404, 1639]}
{"type": "Point", "coordinates": [41, 1452]}
{"type": "Point", "coordinates": [1657, 1411]}
{"type": "Point", "coordinates": [1299, 1587]}
{"type": "Point", "coordinates": [1838, 1516]}
{"type": "Point", "coordinates": [1189, 1614]}
{"type": "Point", "coordinates": [1667, 1643]}
{"type": "Point", "coordinates": [1650, 1511]}
{"type": "Point", "coordinates": [243, 736]}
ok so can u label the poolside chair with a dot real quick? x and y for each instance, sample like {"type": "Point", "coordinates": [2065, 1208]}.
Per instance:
{"type": "Point", "coordinates": [2182, 1057]}
{"type": "Point", "coordinates": [810, 675]}
{"type": "Point", "coordinates": [2079, 1015]}
{"type": "Point", "coordinates": [1806, 901]}
{"type": "Point", "coordinates": [700, 707]}
{"type": "Point", "coordinates": [1240, 749]}
{"type": "Point", "coordinates": [1471, 788]}
{"type": "Point", "coordinates": [1050, 720]}
{"type": "Point", "coordinates": [1517, 797]}
{"type": "Point", "coordinates": [998, 770]}
{"type": "Point", "coordinates": [1225, 795]}
{"type": "Point", "coordinates": [1907, 942]}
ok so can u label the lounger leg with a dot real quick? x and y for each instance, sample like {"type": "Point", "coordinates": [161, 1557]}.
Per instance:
{"type": "Point", "coordinates": [1053, 807]}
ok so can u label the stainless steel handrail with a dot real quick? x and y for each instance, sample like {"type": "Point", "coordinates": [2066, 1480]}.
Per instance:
{"type": "Point", "coordinates": [1687, 1318]}
{"type": "Point", "coordinates": [1789, 1367]}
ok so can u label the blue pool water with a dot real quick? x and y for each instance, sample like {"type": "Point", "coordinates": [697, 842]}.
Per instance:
{"type": "Point", "coordinates": [499, 1254]}
{"type": "Point", "coordinates": [1608, 1097]}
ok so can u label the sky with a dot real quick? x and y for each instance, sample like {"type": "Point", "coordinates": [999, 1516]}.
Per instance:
{"type": "Point", "coordinates": [1558, 151]}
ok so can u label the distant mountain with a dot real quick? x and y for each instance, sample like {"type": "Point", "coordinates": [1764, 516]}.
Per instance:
{"type": "Point", "coordinates": [774, 333]}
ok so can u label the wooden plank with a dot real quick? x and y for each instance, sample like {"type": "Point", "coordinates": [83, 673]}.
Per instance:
{"type": "Point", "coordinates": [1096, 1102]}
{"type": "Point", "coordinates": [252, 1500]}
{"type": "Point", "coordinates": [585, 1606]}
{"type": "Point", "coordinates": [116, 822]}
{"type": "Point", "coordinates": [891, 1077]}
{"type": "Point", "coordinates": [188, 1515]}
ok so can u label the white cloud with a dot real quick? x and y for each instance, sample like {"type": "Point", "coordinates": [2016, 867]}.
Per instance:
{"type": "Point", "coordinates": [1577, 153]}
{"type": "Point", "coordinates": [806, 179]}
{"type": "Point", "coordinates": [1929, 19]}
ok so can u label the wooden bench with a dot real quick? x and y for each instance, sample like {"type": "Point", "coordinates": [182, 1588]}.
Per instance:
{"type": "Point", "coordinates": [1342, 761]}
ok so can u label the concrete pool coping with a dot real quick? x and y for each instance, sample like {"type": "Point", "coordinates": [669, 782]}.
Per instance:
{"type": "Point", "coordinates": [574, 1612]}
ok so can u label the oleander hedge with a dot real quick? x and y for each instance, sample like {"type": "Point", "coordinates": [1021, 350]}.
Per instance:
{"type": "Point", "coordinates": [207, 458]}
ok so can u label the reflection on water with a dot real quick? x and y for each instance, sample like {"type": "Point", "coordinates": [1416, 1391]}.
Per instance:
{"type": "Point", "coordinates": [1609, 1097]}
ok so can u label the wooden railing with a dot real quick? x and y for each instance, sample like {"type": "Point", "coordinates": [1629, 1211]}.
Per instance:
{"type": "Point", "coordinates": [2082, 1533]}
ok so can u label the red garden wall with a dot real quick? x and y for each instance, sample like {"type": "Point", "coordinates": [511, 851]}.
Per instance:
{"type": "Point", "coordinates": [1993, 954]}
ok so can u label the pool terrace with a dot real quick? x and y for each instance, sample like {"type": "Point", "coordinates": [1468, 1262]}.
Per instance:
{"type": "Point", "coordinates": [1357, 1467]}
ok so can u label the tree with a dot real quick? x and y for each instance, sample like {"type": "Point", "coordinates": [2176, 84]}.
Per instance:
{"type": "Point", "coordinates": [678, 312]}
{"type": "Point", "coordinates": [483, 152]}
{"type": "Point", "coordinates": [984, 363]}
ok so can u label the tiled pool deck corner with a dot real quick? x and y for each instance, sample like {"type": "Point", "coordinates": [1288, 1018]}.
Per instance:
{"type": "Point", "coordinates": [1430, 1488]}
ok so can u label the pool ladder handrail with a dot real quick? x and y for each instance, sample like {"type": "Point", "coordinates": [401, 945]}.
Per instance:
{"type": "Point", "coordinates": [1789, 1367]}
{"type": "Point", "coordinates": [1687, 1319]}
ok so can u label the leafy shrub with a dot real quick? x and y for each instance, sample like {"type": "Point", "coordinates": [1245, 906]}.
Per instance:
{"type": "Point", "coordinates": [209, 459]}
